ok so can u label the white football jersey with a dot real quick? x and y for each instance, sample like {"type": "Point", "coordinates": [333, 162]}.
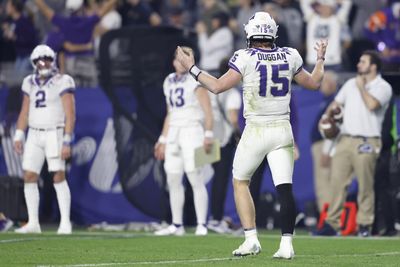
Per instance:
{"type": "Point", "coordinates": [46, 109]}
{"type": "Point", "coordinates": [184, 108]}
{"type": "Point", "coordinates": [267, 76]}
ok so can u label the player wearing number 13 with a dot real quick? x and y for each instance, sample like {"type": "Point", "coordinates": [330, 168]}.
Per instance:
{"type": "Point", "coordinates": [49, 112]}
{"type": "Point", "coordinates": [267, 72]}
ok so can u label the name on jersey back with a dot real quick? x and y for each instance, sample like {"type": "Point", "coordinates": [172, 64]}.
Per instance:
{"type": "Point", "coordinates": [271, 56]}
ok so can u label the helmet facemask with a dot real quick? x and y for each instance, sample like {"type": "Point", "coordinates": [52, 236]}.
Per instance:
{"type": "Point", "coordinates": [43, 60]}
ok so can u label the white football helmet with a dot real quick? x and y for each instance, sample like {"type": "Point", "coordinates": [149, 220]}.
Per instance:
{"type": "Point", "coordinates": [261, 26]}
{"type": "Point", "coordinates": [43, 52]}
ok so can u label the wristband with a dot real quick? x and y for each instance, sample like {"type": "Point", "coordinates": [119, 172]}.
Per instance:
{"type": "Point", "coordinates": [162, 139]}
{"type": "Point", "coordinates": [195, 72]}
{"type": "Point", "coordinates": [67, 139]}
{"type": "Point", "coordinates": [208, 134]}
{"type": "Point", "coordinates": [322, 58]}
{"type": "Point", "coordinates": [19, 135]}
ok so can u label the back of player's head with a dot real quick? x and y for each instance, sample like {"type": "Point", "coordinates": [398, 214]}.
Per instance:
{"type": "Point", "coordinates": [261, 27]}
{"type": "Point", "coordinates": [374, 59]}
{"type": "Point", "coordinates": [43, 53]}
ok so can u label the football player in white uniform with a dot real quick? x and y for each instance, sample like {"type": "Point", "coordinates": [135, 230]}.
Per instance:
{"type": "Point", "coordinates": [48, 110]}
{"type": "Point", "coordinates": [267, 72]}
{"type": "Point", "coordinates": [188, 106]}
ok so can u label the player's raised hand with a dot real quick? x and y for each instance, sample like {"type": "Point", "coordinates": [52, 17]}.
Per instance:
{"type": "Point", "coordinates": [187, 60]}
{"type": "Point", "coordinates": [320, 47]}
{"type": "Point", "coordinates": [66, 152]}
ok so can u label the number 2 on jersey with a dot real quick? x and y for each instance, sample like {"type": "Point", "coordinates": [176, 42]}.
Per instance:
{"type": "Point", "coordinates": [40, 99]}
{"type": "Point", "coordinates": [275, 78]}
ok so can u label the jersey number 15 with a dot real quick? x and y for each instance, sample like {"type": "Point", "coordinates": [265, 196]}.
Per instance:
{"type": "Point", "coordinates": [275, 78]}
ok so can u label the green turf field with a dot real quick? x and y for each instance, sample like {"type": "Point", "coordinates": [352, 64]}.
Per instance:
{"type": "Point", "coordinates": [92, 249]}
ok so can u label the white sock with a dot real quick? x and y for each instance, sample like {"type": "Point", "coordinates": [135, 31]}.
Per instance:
{"type": "Point", "coordinates": [251, 234]}
{"type": "Point", "coordinates": [64, 201]}
{"type": "Point", "coordinates": [286, 239]}
{"type": "Point", "coordinates": [31, 192]}
{"type": "Point", "coordinates": [200, 196]}
{"type": "Point", "coordinates": [176, 196]}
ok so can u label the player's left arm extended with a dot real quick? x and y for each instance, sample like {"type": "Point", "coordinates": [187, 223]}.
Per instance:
{"type": "Point", "coordinates": [68, 101]}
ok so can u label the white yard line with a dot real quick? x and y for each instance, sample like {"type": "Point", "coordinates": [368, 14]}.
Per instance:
{"type": "Point", "coordinates": [140, 263]}
{"type": "Point", "coordinates": [393, 253]}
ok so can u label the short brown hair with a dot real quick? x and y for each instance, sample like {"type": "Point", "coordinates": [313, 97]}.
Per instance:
{"type": "Point", "coordinates": [374, 58]}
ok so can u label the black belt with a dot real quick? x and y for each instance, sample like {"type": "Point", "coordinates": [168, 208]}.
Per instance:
{"type": "Point", "coordinates": [44, 130]}
{"type": "Point", "coordinates": [361, 137]}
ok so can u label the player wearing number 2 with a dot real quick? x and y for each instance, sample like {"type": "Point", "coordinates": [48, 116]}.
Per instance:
{"type": "Point", "coordinates": [188, 106]}
{"type": "Point", "coordinates": [48, 110]}
{"type": "Point", "coordinates": [267, 72]}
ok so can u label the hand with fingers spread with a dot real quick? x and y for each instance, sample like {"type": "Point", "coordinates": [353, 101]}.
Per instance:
{"type": "Point", "coordinates": [320, 47]}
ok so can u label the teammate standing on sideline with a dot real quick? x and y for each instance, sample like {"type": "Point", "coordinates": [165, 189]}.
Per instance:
{"type": "Point", "coordinates": [267, 72]}
{"type": "Point", "coordinates": [183, 131]}
{"type": "Point", "coordinates": [48, 109]}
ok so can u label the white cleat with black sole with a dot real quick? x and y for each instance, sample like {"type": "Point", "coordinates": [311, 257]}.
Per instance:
{"type": "Point", "coordinates": [249, 247]}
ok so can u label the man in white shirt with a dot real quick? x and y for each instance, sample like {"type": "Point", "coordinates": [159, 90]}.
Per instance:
{"type": "Point", "coordinates": [365, 99]}
{"type": "Point", "coordinates": [48, 109]}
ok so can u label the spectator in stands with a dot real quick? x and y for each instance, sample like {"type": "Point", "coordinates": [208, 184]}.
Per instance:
{"type": "Point", "coordinates": [207, 10]}
{"type": "Point", "coordinates": [175, 13]}
{"type": "Point", "coordinates": [367, 95]}
{"type": "Point", "coordinates": [138, 12]}
{"type": "Point", "coordinates": [188, 106]}
{"type": "Point", "coordinates": [320, 149]}
{"type": "Point", "coordinates": [364, 9]}
{"type": "Point", "coordinates": [217, 45]}
{"type": "Point", "coordinates": [110, 21]}
{"type": "Point", "coordinates": [79, 64]}
{"type": "Point", "coordinates": [325, 22]}
{"type": "Point", "coordinates": [276, 12]}
{"type": "Point", "coordinates": [384, 30]}
{"type": "Point", "coordinates": [20, 30]}
{"type": "Point", "coordinates": [246, 9]}
{"type": "Point", "coordinates": [293, 20]}
{"type": "Point", "coordinates": [226, 108]}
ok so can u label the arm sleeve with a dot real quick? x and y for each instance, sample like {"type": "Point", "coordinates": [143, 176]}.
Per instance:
{"type": "Point", "coordinates": [67, 85]}
{"type": "Point", "coordinates": [238, 61]}
{"type": "Point", "coordinates": [382, 93]}
{"type": "Point", "coordinates": [344, 10]}
{"type": "Point", "coordinates": [27, 85]}
{"type": "Point", "coordinates": [307, 10]}
{"type": "Point", "coordinates": [341, 95]}
{"type": "Point", "coordinates": [296, 60]}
